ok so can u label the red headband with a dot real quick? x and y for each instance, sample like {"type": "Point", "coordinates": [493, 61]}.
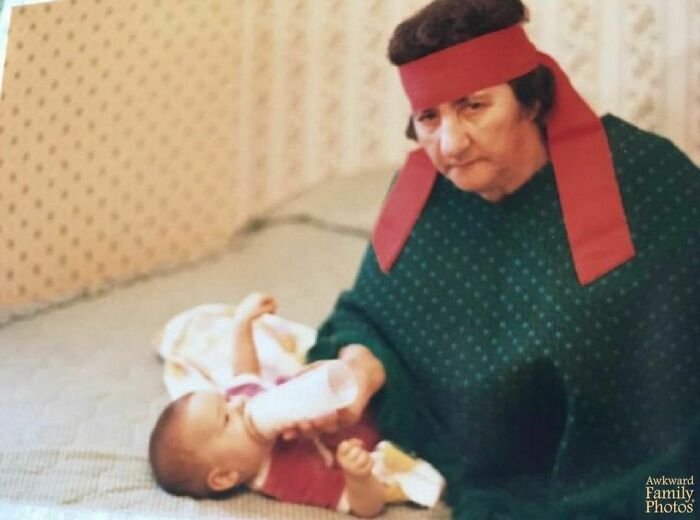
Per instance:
{"type": "Point", "coordinates": [595, 220]}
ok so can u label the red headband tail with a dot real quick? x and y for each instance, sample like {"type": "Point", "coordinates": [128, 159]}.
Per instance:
{"type": "Point", "coordinates": [403, 206]}
{"type": "Point", "coordinates": [589, 195]}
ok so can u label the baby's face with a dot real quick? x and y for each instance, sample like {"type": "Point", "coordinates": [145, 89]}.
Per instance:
{"type": "Point", "coordinates": [215, 428]}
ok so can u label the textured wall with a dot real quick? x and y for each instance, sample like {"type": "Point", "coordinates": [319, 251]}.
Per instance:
{"type": "Point", "coordinates": [141, 134]}
{"type": "Point", "coordinates": [116, 147]}
{"type": "Point", "coordinates": [639, 59]}
{"type": "Point", "coordinates": [319, 65]}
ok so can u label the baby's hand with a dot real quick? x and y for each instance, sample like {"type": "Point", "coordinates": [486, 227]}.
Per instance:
{"type": "Point", "coordinates": [354, 459]}
{"type": "Point", "coordinates": [255, 305]}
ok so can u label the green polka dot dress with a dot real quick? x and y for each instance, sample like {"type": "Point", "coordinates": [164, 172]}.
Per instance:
{"type": "Point", "coordinates": [538, 397]}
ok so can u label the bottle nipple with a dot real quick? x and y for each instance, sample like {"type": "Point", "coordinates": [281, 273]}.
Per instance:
{"type": "Point", "coordinates": [251, 429]}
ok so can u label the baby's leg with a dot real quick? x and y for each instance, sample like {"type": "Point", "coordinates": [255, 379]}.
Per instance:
{"type": "Point", "coordinates": [364, 491]}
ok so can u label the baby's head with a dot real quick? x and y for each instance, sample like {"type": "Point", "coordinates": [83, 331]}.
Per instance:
{"type": "Point", "coordinates": [200, 446]}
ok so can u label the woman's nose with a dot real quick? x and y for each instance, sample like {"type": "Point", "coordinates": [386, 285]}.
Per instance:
{"type": "Point", "coordinates": [454, 138]}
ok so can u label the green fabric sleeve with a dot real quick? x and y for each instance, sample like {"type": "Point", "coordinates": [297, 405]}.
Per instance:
{"type": "Point", "coordinates": [394, 404]}
{"type": "Point", "coordinates": [396, 408]}
{"type": "Point", "coordinates": [399, 407]}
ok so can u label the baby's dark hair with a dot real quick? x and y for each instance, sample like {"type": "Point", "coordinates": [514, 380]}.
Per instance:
{"type": "Point", "coordinates": [177, 468]}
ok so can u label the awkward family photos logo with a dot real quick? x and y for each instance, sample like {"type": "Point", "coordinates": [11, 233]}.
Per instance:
{"type": "Point", "coordinates": [666, 495]}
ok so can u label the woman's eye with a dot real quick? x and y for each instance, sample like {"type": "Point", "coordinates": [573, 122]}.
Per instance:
{"type": "Point", "coordinates": [227, 418]}
{"type": "Point", "coordinates": [425, 117]}
{"type": "Point", "coordinates": [472, 105]}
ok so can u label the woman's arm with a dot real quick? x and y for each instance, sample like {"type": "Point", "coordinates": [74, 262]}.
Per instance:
{"type": "Point", "coordinates": [357, 325]}
{"type": "Point", "coordinates": [358, 318]}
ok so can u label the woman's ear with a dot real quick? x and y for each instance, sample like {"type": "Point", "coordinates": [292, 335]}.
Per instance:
{"type": "Point", "coordinates": [219, 479]}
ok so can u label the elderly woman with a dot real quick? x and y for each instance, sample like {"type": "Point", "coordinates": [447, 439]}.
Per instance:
{"type": "Point", "coordinates": [527, 316]}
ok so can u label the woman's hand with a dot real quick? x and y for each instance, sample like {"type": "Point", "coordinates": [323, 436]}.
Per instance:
{"type": "Point", "coordinates": [370, 376]}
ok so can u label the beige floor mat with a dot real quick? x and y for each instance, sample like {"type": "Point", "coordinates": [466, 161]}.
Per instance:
{"type": "Point", "coordinates": [81, 385]}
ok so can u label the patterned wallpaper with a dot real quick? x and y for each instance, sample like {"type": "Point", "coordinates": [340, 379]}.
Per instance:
{"type": "Point", "coordinates": [137, 135]}
{"type": "Point", "coordinates": [639, 59]}
{"type": "Point", "coordinates": [322, 62]}
{"type": "Point", "coordinates": [116, 143]}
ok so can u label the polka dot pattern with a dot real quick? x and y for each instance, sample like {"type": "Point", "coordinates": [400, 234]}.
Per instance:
{"type": "Point", "coordinates": [116, 125]}
{"type": "Point", "coordinates": [484, 313]}
{"type": "Point", "coordinates": [118, 116]}
{"type": "Point", "coordinates": [139, 135]}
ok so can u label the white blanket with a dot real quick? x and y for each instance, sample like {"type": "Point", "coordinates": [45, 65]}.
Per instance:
{"type": "Point", "coordinates": [197, 348]}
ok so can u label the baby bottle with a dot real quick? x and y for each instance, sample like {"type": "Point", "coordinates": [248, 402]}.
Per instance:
{"type": "Point", "coordinates": [320, 391]}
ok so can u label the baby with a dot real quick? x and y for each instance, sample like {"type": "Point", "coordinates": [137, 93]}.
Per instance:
{"type": "Point", "coordinates": [202, 444]}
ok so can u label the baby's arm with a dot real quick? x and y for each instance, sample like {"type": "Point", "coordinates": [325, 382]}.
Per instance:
{"type": "Point", "coordinates": [364, 492]}
{"type": "Point", "coordinates": [245, 357]}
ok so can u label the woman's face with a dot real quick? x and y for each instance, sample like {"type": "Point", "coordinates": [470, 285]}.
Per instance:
{"type": "Point", "coordinates": [485, 143]}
